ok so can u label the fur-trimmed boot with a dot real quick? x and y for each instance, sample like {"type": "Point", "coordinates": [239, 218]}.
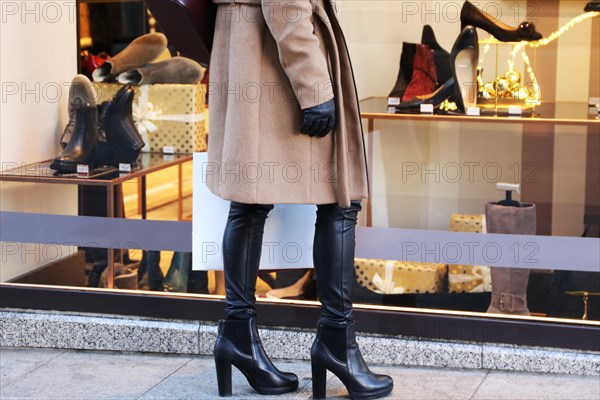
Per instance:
{"type": "Point", "coordinates": [141, 51]}
{"type": "Point", "coordinates": [174, 70]}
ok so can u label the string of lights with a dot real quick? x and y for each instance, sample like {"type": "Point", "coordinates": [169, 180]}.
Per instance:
{"type": "Point", "coordinates": [532, 94]}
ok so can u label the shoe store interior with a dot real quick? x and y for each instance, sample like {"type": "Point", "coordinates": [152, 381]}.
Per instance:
{"type": "Point", "coordinates": [478, 117]}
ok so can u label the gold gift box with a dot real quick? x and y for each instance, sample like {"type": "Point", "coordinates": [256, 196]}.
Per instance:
{"type": "Point", "coordinates": [168, 115]}
{"type": "Point", "coordinates": [468, 278]}
{"type": "Point", "coordinates": [397, 277]}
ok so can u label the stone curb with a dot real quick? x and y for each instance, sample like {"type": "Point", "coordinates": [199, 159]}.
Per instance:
{"type": "Point", "coordinates": [44, 329]}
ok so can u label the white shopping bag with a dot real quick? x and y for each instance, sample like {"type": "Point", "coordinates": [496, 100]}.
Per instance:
{"type": "Point", "coordinates": [288, 237]}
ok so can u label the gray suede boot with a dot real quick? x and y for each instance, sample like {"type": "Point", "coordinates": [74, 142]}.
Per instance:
{"type": "Point", "coordinates": [174, 70]}
{"type": "Point", "coordinates": [141, 51]}
{"type": "Point", "coordinates": [509, 285]}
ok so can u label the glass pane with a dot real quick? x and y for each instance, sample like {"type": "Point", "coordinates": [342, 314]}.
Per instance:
{"type": "Point", "coordinates": [429, 174]}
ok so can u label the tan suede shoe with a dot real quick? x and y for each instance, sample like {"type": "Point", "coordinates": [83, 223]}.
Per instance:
{"type": "Point", "coordinates": [141, 51]}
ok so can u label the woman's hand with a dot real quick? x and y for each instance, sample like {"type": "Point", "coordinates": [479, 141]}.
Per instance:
{"type": "Point", "coordinates": [319, 120]}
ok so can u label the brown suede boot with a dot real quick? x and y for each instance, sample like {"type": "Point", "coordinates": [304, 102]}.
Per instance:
{"type": "Point", "coordinates": [125, 276]}
{"type": "Point", "coordinates": [141, 51]}
{"type": "Point", "coordinates": [509, 285]}
{"type": "Point", "coordinates": [174, 70]}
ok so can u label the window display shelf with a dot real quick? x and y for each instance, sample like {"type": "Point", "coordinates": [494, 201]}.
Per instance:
{"type": "Point", "coordinates": [40, 172]}
{"type": "Point", "coordinates": [538, 130]}
{"type": "Point", "coordinates": [563, 113]}
{"type": "Point", "coordinates": [146, 163]}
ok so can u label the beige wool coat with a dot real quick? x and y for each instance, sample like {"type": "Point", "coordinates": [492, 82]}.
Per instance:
{"type": "Point", "coordinates": [270, 60]}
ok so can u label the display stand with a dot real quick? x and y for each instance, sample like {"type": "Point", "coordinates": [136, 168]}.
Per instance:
{"type": "Point", "coordinates": [509, 88]}
{"type": "Point", "coordinates": [147, 163]}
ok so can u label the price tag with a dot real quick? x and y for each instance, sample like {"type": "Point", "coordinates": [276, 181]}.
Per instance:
{"type": "Point", "coordinates": [169, 150]}
{"type": "Point", "coordinates": [474, 111]}
{"type": "Point", "coordinates": [124, 167]}
{"type": "Point", "coordinates": [515, 111]}
{"type": "Point", "coordinates": [426, 108]}
{"type": "Point", "coordinates": [393, 101]}
{"type": "Point", "coordinates": [594, 101]}
{"type": "Point", "coordinates": [83, 170]}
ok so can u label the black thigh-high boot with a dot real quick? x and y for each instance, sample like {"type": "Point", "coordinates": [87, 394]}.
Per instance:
{"type": "Point", "coordinates": [335, 346]}
{"type": "Point", "coordinates": [238, 342]}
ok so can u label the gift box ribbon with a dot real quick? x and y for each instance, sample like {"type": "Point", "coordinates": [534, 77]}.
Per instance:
{"type": "Point", "coordinates": [479, 273]}
{"type": "Point", "coordinates": [387, 284]}
{"type": "Point", "coordinates": [144, 113]}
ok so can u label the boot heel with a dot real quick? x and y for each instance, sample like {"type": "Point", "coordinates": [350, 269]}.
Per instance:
{"type": "Point", "coordinates": [319, 378]}
{"type": "Point", "coordinates": [223, 377]}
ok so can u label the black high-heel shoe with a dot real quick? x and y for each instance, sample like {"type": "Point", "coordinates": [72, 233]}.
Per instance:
{"type": "Point", "coordinates": [471, 15]}
{"type": "Point", "coordinates": [436, 98]}
{"type": "Point", "coordinates": [463, 60]}
{"type": "Point", "coordinates": [238, 344]}
{"type": "Point", "coordinates": [592, 6]}
{"type": "Point", "coordinates": [336, 350]}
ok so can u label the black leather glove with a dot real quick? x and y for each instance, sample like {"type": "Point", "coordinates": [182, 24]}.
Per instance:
{"type": "Point", "coordinates": [319, 120]}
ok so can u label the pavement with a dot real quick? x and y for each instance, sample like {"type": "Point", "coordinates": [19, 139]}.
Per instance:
{"type": "Point", "coordinates": [48, 374]}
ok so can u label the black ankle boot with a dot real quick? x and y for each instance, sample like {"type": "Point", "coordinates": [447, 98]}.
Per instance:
{"type": "Point", "coordinates": [406, 70]}
{"type": "Point", "coordinates": [238, 343]}
{"type": "Point", "coordinates": [441, 56]}
{"type": "Point", "coordinates": [441, 59]}
{"type": "Point", "coordinates": [122, 137]}
{"type": "Point", "coordinates": [82, 144]}
{"type": "Point", "coordinates": [336, 350]}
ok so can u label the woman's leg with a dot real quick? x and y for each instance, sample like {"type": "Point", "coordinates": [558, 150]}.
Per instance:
{"type": "Point", "coordinates": [238, 342]}
{"type": "Point", "coordinates": [242, 245]}
{"type": "Point", "coordinates": [335, 347]}
{"type": "Point", "coordinates": [333, 256]}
